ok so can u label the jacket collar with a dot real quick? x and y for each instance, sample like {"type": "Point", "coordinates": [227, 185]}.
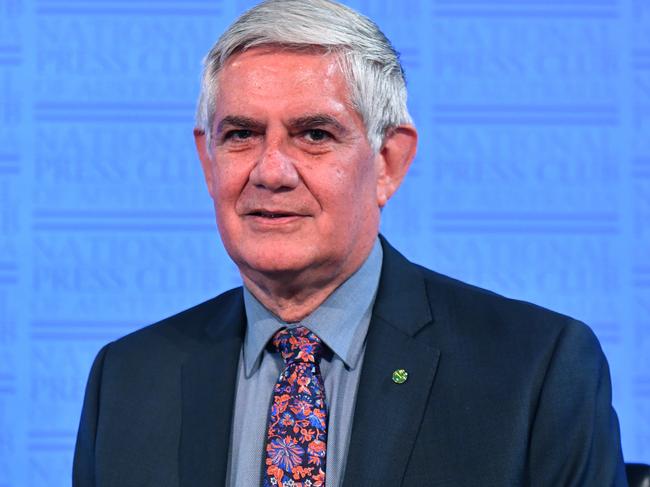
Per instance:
{"type": "Point", "coordinates": [402, 299]}
{"type": "Point", "coordinates": [208, 382]}
{"type": "Point", "coordinates": [383, 410]}
{"type": "Point", "coordinates": [388, 415]}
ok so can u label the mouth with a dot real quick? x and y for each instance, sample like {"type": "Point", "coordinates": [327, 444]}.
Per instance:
{"type": "Point", "coordinates": [274, 220]}
{"type": "Point", "coordinates": [274, 217]}
{"type": "Point", "coordinates": [272, 214]}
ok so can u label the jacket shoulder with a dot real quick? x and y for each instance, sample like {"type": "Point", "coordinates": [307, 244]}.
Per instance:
{"type": "Point", "coordinates": [188, 328]}
{"type": "Point", "coordinates": [492, 319]}
{"type": "Point", "coordinates": [469, 295]}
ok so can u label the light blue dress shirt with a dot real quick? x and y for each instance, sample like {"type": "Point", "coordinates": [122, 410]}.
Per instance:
{"type": "Point", "coordinates": [342, 324]}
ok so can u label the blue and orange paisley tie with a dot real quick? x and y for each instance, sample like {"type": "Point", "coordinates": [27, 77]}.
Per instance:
{"type": "Point", "coordinates": [296, 439]}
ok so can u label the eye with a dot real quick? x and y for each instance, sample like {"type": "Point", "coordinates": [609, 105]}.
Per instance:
{"type": "Point", "coordinates": [317, 135]}
{"type": "Point", "coordinates": [239, 134]}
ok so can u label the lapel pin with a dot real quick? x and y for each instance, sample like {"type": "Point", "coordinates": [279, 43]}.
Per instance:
{"type": "Point", "coordinates": [400, 376]}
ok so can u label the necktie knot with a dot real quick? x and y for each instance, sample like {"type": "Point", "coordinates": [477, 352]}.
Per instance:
{"type": "Point", "coordinates": [298, 345]}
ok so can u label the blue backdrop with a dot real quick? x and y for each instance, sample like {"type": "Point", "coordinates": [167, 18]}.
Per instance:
{"type": "Point", "coordinates": [532, 179]}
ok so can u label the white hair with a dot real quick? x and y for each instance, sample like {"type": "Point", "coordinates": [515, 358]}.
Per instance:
{"type": "Point", "coordinates": [368, 61]}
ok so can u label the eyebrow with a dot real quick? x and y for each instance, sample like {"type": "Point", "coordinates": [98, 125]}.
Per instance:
{"type": "Point", "coordinates": [304, 122]}
{"type": "Point", "coordinates": [240, 122]}
{"type": "Point", "coordinates": [317, 120]}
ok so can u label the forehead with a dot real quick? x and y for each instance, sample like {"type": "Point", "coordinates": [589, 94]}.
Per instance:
{"type": "Point", "coordinates": [271, 76]}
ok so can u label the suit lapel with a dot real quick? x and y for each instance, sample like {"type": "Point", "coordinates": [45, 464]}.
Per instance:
{"type": "Point", "coordinates": [388, 415]}
{"type": "Point", "coordinates": [208, 393]}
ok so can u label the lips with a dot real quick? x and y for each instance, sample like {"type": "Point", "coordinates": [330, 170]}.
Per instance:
{"type": "Point", "coordinates": [272, 214]}
{"type": "Point", "coordinates": [275, 217]}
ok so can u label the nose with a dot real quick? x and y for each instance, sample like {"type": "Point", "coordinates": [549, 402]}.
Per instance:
{"type": "Point", "coordinates": [275, 170]}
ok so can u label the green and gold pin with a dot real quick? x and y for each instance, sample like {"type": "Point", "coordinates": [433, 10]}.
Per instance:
{"type": "Point", "coordinates": [400, 376]}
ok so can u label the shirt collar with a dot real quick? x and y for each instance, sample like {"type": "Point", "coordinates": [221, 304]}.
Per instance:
{"type": "Point", "coordinates": [341, 321]}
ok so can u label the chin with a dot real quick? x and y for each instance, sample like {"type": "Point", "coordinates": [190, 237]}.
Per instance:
{"type": "Point", "coordinates": [274, 260]}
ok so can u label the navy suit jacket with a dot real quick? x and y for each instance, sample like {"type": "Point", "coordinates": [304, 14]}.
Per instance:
{"type": "Point", "coordinates": [499, 393]}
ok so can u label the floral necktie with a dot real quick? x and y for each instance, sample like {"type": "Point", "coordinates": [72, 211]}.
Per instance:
{"type": "Point", "coordinates": [296, 438]}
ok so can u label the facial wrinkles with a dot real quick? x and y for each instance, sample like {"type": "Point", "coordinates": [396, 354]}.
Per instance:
{"type": "Point", "coordinates": [267, 83]}
{"type": "Point", "coordinates": [277, 102]}
{"type": "Point", "coordinates": [322, 84]}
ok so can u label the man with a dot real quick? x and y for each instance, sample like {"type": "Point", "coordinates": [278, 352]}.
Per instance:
{"type": "Point", "coordinates": [339, 362]}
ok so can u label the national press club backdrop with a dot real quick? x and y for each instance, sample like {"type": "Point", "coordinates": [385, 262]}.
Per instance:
{"type": "Point", "coordinates": [532, 179]}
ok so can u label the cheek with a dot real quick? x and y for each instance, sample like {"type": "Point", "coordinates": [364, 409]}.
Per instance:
{"type": "Point", "coordinates": [365, 177]}
{"type": "Point", "coordinates": [229, 183]}
{"type": "Point", "coordinates": [356, 192]}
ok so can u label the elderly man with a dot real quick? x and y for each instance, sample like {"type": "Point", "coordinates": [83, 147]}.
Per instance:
{"type": "Point", "coordinates": [338, 362]}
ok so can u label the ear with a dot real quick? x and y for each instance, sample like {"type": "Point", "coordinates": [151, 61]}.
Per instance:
{"type": "Point", "coordinates": [395, 157]}
{"type": "Point", "coordinates": [200, 140]}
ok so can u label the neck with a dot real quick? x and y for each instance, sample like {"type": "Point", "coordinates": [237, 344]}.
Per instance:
{"type": "Point", "coordinates": [292, 296]}
{"type": "Point", "coordinates": [291, 299]}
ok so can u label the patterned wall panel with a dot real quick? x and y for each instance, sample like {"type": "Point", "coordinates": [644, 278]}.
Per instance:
{"type": "Point", "coordinates": [638, 247]}
{"type": "Point", "coordinates": [532, 179]}
{"type": "Point", "coordinates": [13, 270]}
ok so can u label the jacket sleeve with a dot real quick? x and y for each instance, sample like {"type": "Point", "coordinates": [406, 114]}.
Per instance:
{"type": "Point", "coordinates": [83, 470]}
{"type": "Point", "coordinates": [575, 438]}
